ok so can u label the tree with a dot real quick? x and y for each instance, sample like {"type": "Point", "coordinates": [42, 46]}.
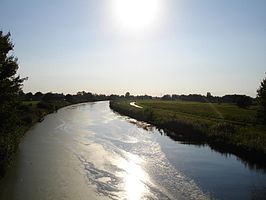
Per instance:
{"type": "Point", "coordinates": [10, 87]}
{"type": "Point", "coordinates": [28, 96]}
{"type": "Point", "coordinates": [167, 97]}
{"type": "Point", "coordinates": [38, 96]}
{"type": "Point", "coordinates": [244, 101]}
{"type": "Point", "coordinates": [261, 97]}
{"type": "Point", "coordinates": [209, 95]}
{"type": "Point", "coordinates": [127, 95]}
{"type": "Point", "coordinates": [69, 98]}
{"type": "Point", "coordinates": [48, 97]}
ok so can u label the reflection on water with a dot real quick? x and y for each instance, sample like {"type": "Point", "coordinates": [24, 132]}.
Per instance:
{"type": "Point", "coordinates": [86, 151]}
{"type": "Point", "coordinates": [128, 180]}
{"type": "Point", "coordinates": [134, 178]}
{"type": "Point", "coordinates": [125, 161]}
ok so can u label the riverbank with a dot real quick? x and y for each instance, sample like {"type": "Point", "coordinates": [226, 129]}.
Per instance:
{"type": "Point", "coordinates": [28, 113]}
{"type": "Point", "coordinates": [224, 127]}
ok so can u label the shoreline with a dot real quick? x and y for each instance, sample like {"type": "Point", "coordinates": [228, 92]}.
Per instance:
{"type": "Point", "coordinates": [193, 134]}
{"type": "Point", "coordinates": [37, 116]}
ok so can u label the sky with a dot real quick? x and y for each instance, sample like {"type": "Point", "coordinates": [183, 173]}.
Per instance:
{"type": "Point", "coordinates": [150, 47]}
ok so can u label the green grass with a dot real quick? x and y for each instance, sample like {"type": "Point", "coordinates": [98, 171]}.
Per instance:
{"type": "Point", "coordinates": [219, 124]}
{"type": "Point", "coordinates": [33, 103]}
{"type": "Point", "coordinates": [211, 111]}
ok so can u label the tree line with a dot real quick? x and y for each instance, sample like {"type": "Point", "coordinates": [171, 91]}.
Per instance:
{"type": "Point", "coordinates": [242, 101]}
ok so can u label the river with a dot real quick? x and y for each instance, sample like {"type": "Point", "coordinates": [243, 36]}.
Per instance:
{"type": "Point", "coordinates": [88, 152]}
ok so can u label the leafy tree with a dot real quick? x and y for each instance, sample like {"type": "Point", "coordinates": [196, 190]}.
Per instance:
{"type": "Point", "coordinates": [38, 96]}
{"type": "Point", "coordinates": [48, 97]}
{"type": "Point", "coordinates": [244, 101]}
{"type": "Point", "coordinates": [69, 98]}
{"type": "Point", "coordinates": [127, 95]}
{"type": "Point", "coordinates": [28, 96]}
{"type": "Point", "coordinates": [167, 97]}
{"type": "Point", "coordinates": [209, 95]}
{"type": "Point", "coordinates": [10, 87]}
{"type": "Point", "coordinates": [261, 96]}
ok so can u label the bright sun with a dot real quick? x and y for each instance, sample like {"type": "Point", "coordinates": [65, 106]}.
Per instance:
{"type": "Point", "coordinates": [136, 14]}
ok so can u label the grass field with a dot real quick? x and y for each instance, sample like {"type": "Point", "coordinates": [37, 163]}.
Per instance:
{"type": "Point", "coordinates": [30, 103]}
{"type": "Point", "coordinates": [224, 125]}
{"type": "Point", "coordinates": [211, 111]}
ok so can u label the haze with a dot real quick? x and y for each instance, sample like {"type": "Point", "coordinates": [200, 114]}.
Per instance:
{"type": "Point", "coordinates": [165, 46]}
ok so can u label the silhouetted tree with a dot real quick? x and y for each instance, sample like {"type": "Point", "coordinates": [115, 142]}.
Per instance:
{"type": "Point", "coordinates": [175, 97]}
{"type": "Point", "coordinates": [114, 96]}
{"type": "Point", "coordinates": [232, 98]}
{"type": "Point", "coordinates": [261, 96]}
{"type": "Point", "coordinates": [21, 95]}
{"type": "Point", "coordinates": [48, 97]}
{"type": "Point", "coordinates": [38, 96]}
{"type": "Point", "coordinates": [69, 98]}
{"type": "Point", "coordinates": [28, 96]}
{"type": "Point", "coordinates": [10, 87]}
{"type": "Point", "coordinates": [127, 95]}
{"type": "Point", "coordinates": [244, 101]}
{"type": "Point", "coordinates": [167, 97]}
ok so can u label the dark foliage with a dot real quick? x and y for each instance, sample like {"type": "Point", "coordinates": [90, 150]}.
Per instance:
{"type": "Point", "coordinates": [28, 96]}
{"type": "Point", "coordinates": [244, 101]}
{"type": "Point", "coordinates": [69, 98]}
{"type": "Point", "coordinates": [38, 96]}
{"type": "Point", "coordinates": [222, 129]}
{"type": "Point", "coordinates": [261, 97]}
{"type": "Point", "coordinates": [10, 87]}
{"type": "Point", "coordinates": [127, 95]}
{"type": "Point", "coordinates": [167, 97]}
{"type": "Point", "coordinates": [45, 105]}
{"type": "Point", "coordinates": [241, 100]}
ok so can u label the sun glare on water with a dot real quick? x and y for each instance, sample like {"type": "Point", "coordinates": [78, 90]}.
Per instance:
{"type": "Point", "coordinates": [136, 14]}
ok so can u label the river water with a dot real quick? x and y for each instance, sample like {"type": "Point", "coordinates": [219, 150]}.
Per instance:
{"type": "Point", "coordinates": [86, 152]}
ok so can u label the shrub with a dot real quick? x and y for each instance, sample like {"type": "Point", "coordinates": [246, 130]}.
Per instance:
{"type": "Point", "coordinates": [223, 129]}
{"type": "Point", "coordinates": [44, 105]}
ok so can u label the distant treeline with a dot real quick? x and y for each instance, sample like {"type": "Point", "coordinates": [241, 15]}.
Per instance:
{"type": "Point", "coordinates": [240, 100]}
{"type": "Point", "coordinates": [75, 98]}
{"type": "Point", "coordinates": [88, 96]}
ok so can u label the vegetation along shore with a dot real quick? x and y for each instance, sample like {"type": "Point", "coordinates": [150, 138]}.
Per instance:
{"type": "Point", "coordinates": [226, 127]}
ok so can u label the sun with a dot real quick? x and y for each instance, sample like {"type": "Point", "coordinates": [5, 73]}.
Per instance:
{"type": "Point", "coordinates": [136, 14]}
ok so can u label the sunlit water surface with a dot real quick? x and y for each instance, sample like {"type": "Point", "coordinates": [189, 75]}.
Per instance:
{"type": "Point", "coordinates": [86, 151]}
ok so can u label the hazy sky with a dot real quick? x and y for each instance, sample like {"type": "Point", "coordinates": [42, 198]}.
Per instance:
{"type": "Point", "coordinates": [147, 47]}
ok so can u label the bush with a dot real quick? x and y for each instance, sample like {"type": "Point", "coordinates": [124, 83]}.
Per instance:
{"type": "Point", "coordinates": [148, 114]}
{"type": "Point", "coordinates": [261, 97]}
{"type": "Point", "coordinates": [44, 105]}
{"type": "Point", "coordinates": [223, 129]}
{"type": "Point", "coordinates": [24, 108]}
{"type": "Point", "coordinates": [27, 119]}
{"type": "Point", "coordinates": [244, 102]}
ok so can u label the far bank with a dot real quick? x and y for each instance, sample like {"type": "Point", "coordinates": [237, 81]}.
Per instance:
{"type": "Point", "coordinates": [224, 127]}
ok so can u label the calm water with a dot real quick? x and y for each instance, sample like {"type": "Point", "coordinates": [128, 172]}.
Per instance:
{"type": "Point", "coordinates": [86, 151]}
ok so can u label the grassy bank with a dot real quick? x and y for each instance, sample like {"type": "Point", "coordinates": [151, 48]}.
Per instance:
{"type": "Point", "coordinates": [28, 113]}
{"type": "Point", "coordinates": [225, 127]}
{"type": "Point", "coordinates": [32, 111]}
